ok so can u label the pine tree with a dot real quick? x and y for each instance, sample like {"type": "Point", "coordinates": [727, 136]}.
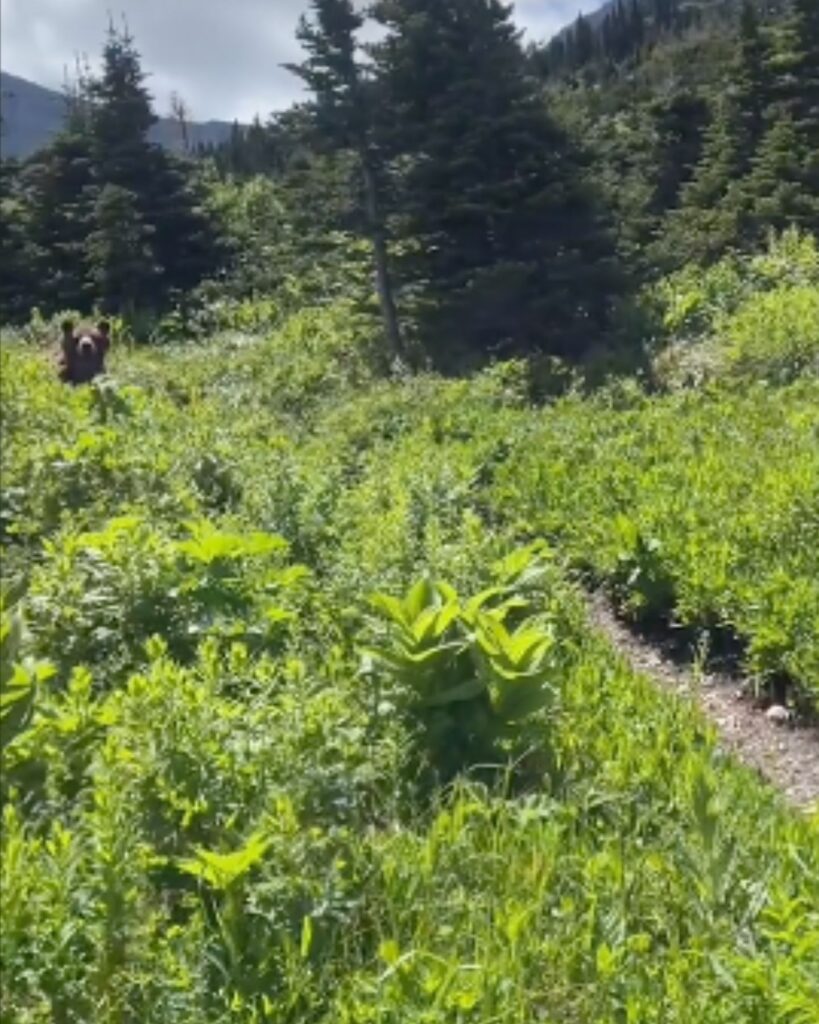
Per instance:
{"type": "Point", "coordinates": [720, 207]}
{"type": "Point", "coordinates": [606, 40]}
{"type": "Point", "coordinates": [637, 26]}
{"type": "Point", "coordinates": [751, 85]}
{"type": "Point", "coordinates": [121, 115]}
{"type": "Point", "coordinates": [783, 186]}
{"type": "Point", "coordinates": [557, 56]}
{"type": "Point", "coordinates": [499, 234]}
{"type": "Point", "coordinates": [119, 256]}
{"type": "Point", "coordinates": [57, 184]}
{"type": "Point", "coordinates": [18, 280]}
{"type": "Point", "coordinates": [49, 197]}
{"type": "Point", "coordinates": [775, 190]}
{"type": "Point", "coordinates": [710, 216]}
{"type": "Point", "coordinates": [796, 70]}
{"type": "Point", "coordinates": [344, 120]}
{"type": "Point", "coordinates": [722, 159]}
{"type": "Point", "coordinates": [233, 151]}
{"type": "Point", "coordinates": [153, 193]}
{"type": "Point", "coordinates": [583, 39]}
{"type": "Point", "coordinates": [663, 14]}
{"type": "Point", "coordinates": [679, 123]}
{"type": "Point", "coordinates": [620, 35]}
{"type": "Point", "coordinates": [99, 187]}
{"type": "Point", "coordinates": [708, 220]}
{"type": "Point", "coordinates": [183, 237]}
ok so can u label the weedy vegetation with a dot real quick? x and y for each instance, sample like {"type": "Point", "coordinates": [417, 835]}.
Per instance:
{"type": "Point", "coordinates": [302, 719]}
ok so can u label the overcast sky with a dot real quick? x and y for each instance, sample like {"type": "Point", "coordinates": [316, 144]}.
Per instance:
{"type": "Point", "coordinates": [222, 57]}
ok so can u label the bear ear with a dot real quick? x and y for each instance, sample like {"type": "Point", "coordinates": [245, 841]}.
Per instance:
{"type": "Point", "coordinates": [104, 327]}
{"type": "Point", "coordinates": [67, 326]}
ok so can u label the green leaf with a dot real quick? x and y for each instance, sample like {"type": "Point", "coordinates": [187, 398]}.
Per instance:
{"type": "Point", "coordinates": [391, 608]}
{"type": "Point", "coordinates": [515, 699]}
{"type": "Point", "coordinates": [222, 870]}
{"type": "Point", "coordinates": [466, 690]}
{"type": "Point", "coordinates": [424, 625]}
{"type": "Point", "coordinates": [390, 952]}
{"type": "Point", "coordinates": [306, 937]}
{"type": "Point", "coordinates": [476, 603]}
{"type": "Point", "coordinates": [418, 598]}
{"type": "Point", "coordinates": [11, 639]}
{"type": "Point", "coordinates": [16, 704]}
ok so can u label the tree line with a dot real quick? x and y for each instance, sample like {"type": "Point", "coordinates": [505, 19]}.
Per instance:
{"type": "Point", "coordinates": [486, 230]}
{"type": "Point", "coordinates": [709, 140]}
{"type": "Point", "coordinates": [758, 166]}
{"type": "Point", "coordinates": [506, 205]}
{"type": "Point", "coordinates": [101, 216]}
{"type": "Point", "coordinates": [624, 29]}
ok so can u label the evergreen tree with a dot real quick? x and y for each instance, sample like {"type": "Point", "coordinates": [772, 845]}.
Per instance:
{"type": "Point", "coordinates": [17, 259]}
{"type": "Point", "coordinates": [121, 116]}
{"type": "Point", "coordinates": [556, 54]}
{"type": "Point", "coordinates": [183, 237]}
{"type": "Point", "coordinates": [796, 70]}
{"type": "Point", "coordinates": [46, 201]}
{"type": "Point", "coordinates": [776, 189]}
{"type": "Point", "coordinates": [637, 26]}
{"type": "Point", "coordinates": [783, 186]}
{"type": "Point", "coordinates": [710, 216]}
{"type": "Point", "coordinates": [499, 233]}
{"type": "Point", "coordinates": [620, 34]}
{"type": "Point", "coordinates": [607, 41]}
{"type": "Point", "coordinates": [583, 42]}
{"type": "Point", "coordinates": [230, 155]}
{"type": "Point", "coordinates": [343, 119]}
{"type": "Point", "coordinates": [119, 256]}
{"type": "Point", "coordinates": [663, 14]}
{"type": "Point", "coordinates": [750, 80]}
{"type": "Point", "coordinates": [679, 124]}
{"type": "Point", "coordinates": [57, 184]}
{"type": "Point", "coordinates": [153, 193]}
{"type": "Point", "coordinates": [102, 205]}
{"type": "Point", "coordinates": [258, 149]}
{"type": "Point", "coordinates": [721, 162]}
{"type": "Point", "coordinates": [708, 219]}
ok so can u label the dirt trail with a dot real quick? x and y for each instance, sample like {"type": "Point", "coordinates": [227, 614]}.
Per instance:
{"type": "Point", "coordinates": [786, 755]}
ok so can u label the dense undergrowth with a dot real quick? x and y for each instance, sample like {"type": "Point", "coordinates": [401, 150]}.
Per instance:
{"type": "Point", "coordinates": [238, 788]}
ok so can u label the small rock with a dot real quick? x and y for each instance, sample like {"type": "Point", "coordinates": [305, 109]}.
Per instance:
{"type": "Point", "coordinates": [778, 714]}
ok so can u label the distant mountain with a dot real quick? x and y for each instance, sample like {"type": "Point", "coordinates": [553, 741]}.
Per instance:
{"type": "Point", "coordinates": [32, 115]}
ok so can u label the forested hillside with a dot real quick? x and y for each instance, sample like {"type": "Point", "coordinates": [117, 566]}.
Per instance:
{"type": "Point", "coordinates": [704, 124]}
{"type": "Point", "coordinates": [307, 716]}
{"type": "Point", "coordinates": [240, 785]}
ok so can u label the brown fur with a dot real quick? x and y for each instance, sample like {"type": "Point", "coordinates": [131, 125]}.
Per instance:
{"type": "Point", "coordinates": [82, 351]}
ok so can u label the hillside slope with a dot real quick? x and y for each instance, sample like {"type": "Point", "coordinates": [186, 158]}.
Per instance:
{"type": "Point", "coordinates": [32, 115]}
{"type": "Point", "coordinates": [303, 718]}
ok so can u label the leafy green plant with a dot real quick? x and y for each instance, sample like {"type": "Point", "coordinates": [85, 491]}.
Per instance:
{"type": "Point", "coordinates": [773, 336]}
{"type": "Point", "coordinates": [196, 568]}
{"type": "Point", "coordinates": [21, 675]}
{"type": "Point", "coordinates": [747, 318]}
{"type": "Point", "coordinates": [641, 581]}
{"type": "Point", "coordinates": [461, 671]}
{"type": "Point", "coordinates": [99, 596]}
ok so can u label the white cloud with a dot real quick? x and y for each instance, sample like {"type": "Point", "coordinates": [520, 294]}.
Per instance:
{"type": "Point", "coordinates": [223, 58]}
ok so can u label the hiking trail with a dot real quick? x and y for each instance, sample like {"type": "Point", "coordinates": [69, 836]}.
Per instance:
{"type": "Point", "coordinates": [784, 753]}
